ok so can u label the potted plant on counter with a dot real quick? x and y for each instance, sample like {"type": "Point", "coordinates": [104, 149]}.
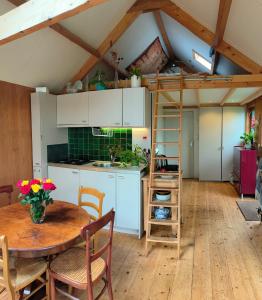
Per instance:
{"type": "Point", "coordinates": [247, 139]}
{"type": "Point", "coordinates": [36, 193]}
{"type": "Point", "coordinates": [133, 158]}
{"type": "Point", "coordinates": [135, 74]}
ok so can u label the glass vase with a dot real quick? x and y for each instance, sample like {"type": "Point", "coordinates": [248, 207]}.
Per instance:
{"type": "Point", "coordinates": [37, 213]}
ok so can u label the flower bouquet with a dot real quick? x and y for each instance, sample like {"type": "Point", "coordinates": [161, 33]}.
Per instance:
{"type": "Point", "coordinates": [36, 193]}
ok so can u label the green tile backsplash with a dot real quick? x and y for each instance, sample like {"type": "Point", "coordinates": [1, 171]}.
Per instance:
{"type": "Point", "coordinates": [83, 145]}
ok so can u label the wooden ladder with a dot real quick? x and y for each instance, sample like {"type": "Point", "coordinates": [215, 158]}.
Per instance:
{"type": "Point", "coordinates": [172, 180]}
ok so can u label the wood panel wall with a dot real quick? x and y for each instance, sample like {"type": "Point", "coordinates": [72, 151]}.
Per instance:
{"type": "Point", "coordinates": [258, 111]}
{"type": "Point", "coordinates": [15, 136]}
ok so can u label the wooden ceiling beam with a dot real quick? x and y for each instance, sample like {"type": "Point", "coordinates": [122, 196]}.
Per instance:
{"type": "Point", "coordinates": [81, 43]}
{"type": "Point", "coordinates": [208, 37]}
{"type": "Point", "coordinates": [164, 35]}
{"type": "Point", "coordinates": [76, 40]}
{"type": "Point", "coordinates": [223, 14]}
{"type": "Point", "coordinates": [251, 97]}
{"type": "Point", "coordinates": [105, 46]}
{"type": "Point", "coordinates": [227, 96]}
{"type": "Point", "coordinates": [144, 6]}
{"type": "Point", "coordinates": [34, 15]}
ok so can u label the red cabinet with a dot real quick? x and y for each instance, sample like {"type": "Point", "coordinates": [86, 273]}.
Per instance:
{"type": "Point", "coordinates": [245, 167]}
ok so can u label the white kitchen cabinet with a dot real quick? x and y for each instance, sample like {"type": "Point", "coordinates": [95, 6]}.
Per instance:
{"type": "Point", "coordinates": [104, 182]}
{"type": "Point", "coordinates": [105, 108]}
{"type": "Point", "coordinates": [72, 110]}
{"type": "Point", "coordinates": [44, 130]}
{"type": "Point", "coordinates": [128, 195]}
{"type": "Point", "coordinates": [136, 107]}
{"type": "Point", "coordinates": [67, 184]}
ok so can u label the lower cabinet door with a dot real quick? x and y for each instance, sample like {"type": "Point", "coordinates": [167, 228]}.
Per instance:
{"type": "Point", "coordinates": [105, 182]}
{"type": "Point", "coordinates": [128, 201]}
{"type": "Point", "coordinates": [67, 184]}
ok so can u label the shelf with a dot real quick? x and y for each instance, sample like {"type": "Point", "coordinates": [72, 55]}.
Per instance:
{"type": "Point", "coordinates": [160, 239]}
{"type": "Point", "coordinates": [163, 203]}
{"type": "Point", "coordinates": [165, 222]}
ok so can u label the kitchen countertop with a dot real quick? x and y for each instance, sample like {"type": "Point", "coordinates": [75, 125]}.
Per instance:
{"type": "Point", "coordinates": [90, 167]}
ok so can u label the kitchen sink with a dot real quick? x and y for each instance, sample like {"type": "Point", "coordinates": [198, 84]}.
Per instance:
{"type": "Point", "coordinates": [105, 164]}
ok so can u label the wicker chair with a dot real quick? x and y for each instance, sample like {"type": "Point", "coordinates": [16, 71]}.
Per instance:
{"type": "Point", "coordinates": [8, 189]}
{"type": "Point", "coordinates": [14, 279]}
{"type": "Point", "coordinates": [80, 268]}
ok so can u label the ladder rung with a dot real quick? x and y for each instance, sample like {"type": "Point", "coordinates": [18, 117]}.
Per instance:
{"type": "Point", "coordinates": [163, 203]}
{"type": "Point", "coordinates": [167, 129]}
{"type": "Point", "coordinates": [165, 222]}
{"type": "Point", "coordinates": [165, 143]}
{"type": "Point", "coordinates": [160, 239]}
{"type": "Point", "coordinates": [166, 157]}
{"type": "Point", "coordinates": [155, 188]}
{"type": "Point", "coordinates": [167, 116]}
{"type": "Point", "coordinates": [168, 103]}
{"type": "Point", "coordinates": [166, 174]}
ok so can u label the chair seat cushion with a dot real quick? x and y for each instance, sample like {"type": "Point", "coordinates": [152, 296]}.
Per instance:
{"type": "Point", "coordinates": [71, 265]}
{"type": "Point", "coordinates": [26, 270]}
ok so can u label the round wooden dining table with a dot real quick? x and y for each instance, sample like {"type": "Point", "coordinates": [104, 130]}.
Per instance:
{"type": "Point", "coordinates": [60, 230]}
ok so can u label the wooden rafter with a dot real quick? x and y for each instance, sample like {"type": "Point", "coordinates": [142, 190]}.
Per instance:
{"type": "Point", "coordinates": [223, 14]}
{"type": "Point", "coordinates": [76, 40]}
{"type": "Point", "coordinates": [163, 32]}
{"type": "Point", "coordinates": [227, 96]}
{"type": "Point", "coordinates": [148, 5]}
{"type": "Point", "coordinates": [251, 97]}
{"type": "Point", "coordinates": [207, 36]}
{"type": "Point", "coordinates": [110, 40]}
{"type": "Point", "coordinates": [168, 97]}
{"type": "Point", "coordinates": [34, 15]}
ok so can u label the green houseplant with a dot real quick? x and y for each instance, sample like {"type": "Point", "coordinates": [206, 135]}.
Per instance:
{"type": "Point", "coordinates": [247, 139]}
{"type": "Point", "coordinates": [135, 74]}
{"type": "Point", "coordinates": [133, 158]}
{"type": "Point", "coordinates": [36, 193]}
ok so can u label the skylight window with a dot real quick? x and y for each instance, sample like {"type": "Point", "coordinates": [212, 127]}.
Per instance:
{"type": "Point", "coordinates": [200, 59]}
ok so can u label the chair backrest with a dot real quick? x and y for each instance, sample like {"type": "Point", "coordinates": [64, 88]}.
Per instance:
{"type": "Point", "coordinates": [88, 231]}
{"type": "Point", "coordinates": [97, 207]}
{"type": "Point", "coordinates": [5, 279]}
{"type": "Point", "coordinates": [8, 189]}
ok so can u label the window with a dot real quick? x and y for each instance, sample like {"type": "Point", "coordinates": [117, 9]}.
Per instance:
{"type": "Point", "coordinates": [200, 59]}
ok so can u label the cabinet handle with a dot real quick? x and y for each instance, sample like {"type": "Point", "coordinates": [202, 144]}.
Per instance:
{"type": "Point", "coordinates": [84, 121]}
{"type": "Point", "coordinates": [121, 177]}
{"type": "Point", "coordinates": [117, 123]}
{"type": "Point", "coordinates": [75, 172]}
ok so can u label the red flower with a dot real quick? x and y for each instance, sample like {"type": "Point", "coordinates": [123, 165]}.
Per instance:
{"type": "Point", "coordinates": [25, 189]}
{"type": "Point", "coordinates": [35, 181]}
{"type": "Point", "coordinates": [19, 183]}
{"type": "Point", "coordinates": [48, 186]}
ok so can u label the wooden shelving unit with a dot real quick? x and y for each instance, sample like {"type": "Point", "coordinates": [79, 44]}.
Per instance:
{"type": "Point", "coordinates": [168, 230]}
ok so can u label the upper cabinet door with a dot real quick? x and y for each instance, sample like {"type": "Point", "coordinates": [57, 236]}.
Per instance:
{"type": "Point", "coordinates": [135, 107]}
{"type": "Point", "coordinates": [105, 108]}
{"type": "Point", "coordinates": [72, 110]}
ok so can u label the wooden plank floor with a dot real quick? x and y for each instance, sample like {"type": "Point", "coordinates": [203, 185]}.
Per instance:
{"type": "Point", "coordinates": [221, 254]}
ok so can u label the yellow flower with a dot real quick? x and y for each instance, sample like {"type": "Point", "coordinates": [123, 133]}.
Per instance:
{"type": "Point", "coordinates": [48, 180]}
{"type": "Point", "coordinates": [35, 188]}
{"type": "Point", "coordinates": [25, 182]}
